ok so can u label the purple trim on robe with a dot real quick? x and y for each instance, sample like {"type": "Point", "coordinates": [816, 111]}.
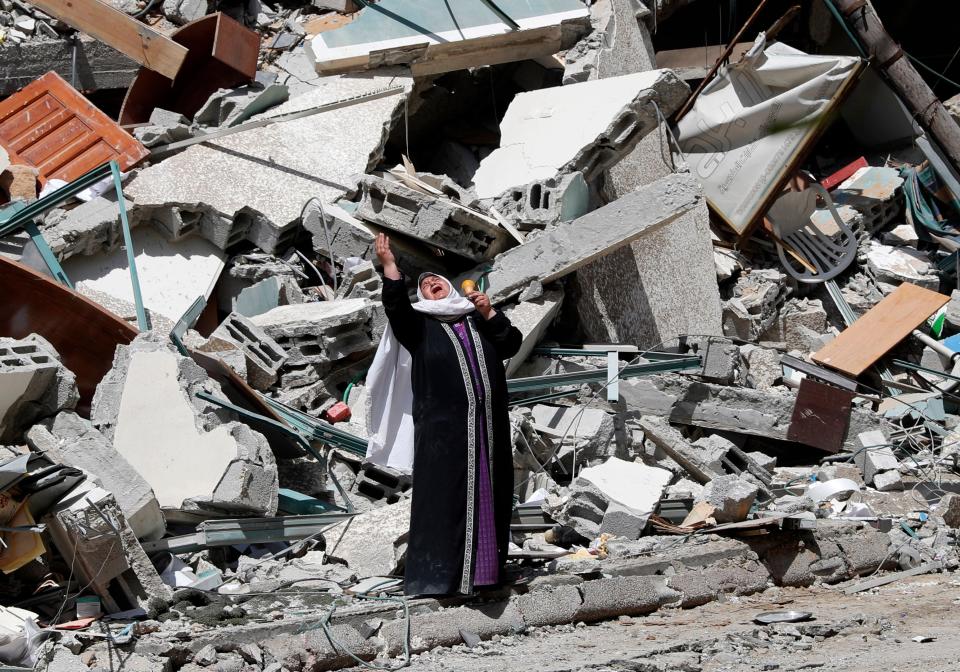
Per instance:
{"type": "Point", "coordinates": [486, 567]}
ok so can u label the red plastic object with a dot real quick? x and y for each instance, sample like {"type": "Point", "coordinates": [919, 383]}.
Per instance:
{"type": "Point", "coordinates": [339, 412]}
{"type": "Point", "coordinates": [830, 182]}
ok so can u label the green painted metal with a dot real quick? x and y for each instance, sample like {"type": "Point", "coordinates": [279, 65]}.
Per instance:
{"type": "Point", "coordinates": [300, 504]}
{"type": "Point", "coordinates": [292, 433]}
{"type": "Point", "coordinates": [318, 430]}
{"type": "Point", "coordinates": [10, 212]}
{"type": "Point", "coordinates": [187, 320]}
{"type": "Point", "coordinates": [142, 321]}
{"type": "Point", "coordinates": [601, 376]}
{"type": "Point", "coordinates": [53, 199]}
{"type": "Point", "coordinates": [916, 367]}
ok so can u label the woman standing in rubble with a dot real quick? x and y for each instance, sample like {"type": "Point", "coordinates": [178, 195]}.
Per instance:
{"type": "Point", "coordinates": [438, 405]}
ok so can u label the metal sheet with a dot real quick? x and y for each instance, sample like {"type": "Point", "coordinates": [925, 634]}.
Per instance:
{"type": "Point", "coordinates": [821, 416]}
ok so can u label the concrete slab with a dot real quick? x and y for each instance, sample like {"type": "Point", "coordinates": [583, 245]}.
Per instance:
{"type": "Point", "coordinates": [172, 275]}
{"type": "Point", "coordinates": [566, 247]}
{"type": "Point", "coordinates": [33, 385]}
{"type": "Point", "coordinates": [532, 318]}
{"type": "Point", "coordinates": [369, 543]}
{"type": "Point", "coordinates": [253, 185]}
{"type": "Point", "coordinates": [632, 484]}
{"type": "Point", "coordinates": [194, 458]}
{"type": "Point", "coordinates": [586, 127]}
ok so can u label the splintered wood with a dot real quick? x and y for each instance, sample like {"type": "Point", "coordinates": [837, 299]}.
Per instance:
{"type": "Point", "coordinates": [886, 324]}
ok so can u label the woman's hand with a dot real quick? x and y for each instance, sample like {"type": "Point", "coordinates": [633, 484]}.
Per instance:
{"type": "Point", "coordinates": [385, 255]}
{"type": "Point", "coordinates": [482, 303]}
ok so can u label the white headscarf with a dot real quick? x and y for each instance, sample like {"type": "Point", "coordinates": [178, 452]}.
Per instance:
{"type": "Point", "coordinates": [390, 389]}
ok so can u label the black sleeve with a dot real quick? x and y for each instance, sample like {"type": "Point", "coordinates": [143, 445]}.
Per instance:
{"type": "Point", "coordinates": [504, 336]}
{"type": "Point", "coordinates": [407, 323]}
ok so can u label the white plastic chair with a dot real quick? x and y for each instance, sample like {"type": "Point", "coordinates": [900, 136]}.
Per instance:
{"type": "Point", "coordinates": [791, 216]}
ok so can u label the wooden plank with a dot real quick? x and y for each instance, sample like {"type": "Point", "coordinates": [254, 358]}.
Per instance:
{"type": "Point", "coordinates": [919, 570]}
{"type": "Point", "coordinates": [886, 324]}
{"type": "Point", "coordinates": [821, 416]}
{"type": "Point", "coordinates": [124, 33]}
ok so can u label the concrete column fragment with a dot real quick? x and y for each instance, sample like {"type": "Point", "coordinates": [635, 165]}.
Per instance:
{"type": "Point", "coordinates": [434, 220]}
{"type": "Point", "coordinates": [566, 247]}
{"type": "Point", "coordinates": [584, 127]}
{"type": "Point", "coordinates": [71, 440]}
{"type": "Point", "coordinates": [191, 452]}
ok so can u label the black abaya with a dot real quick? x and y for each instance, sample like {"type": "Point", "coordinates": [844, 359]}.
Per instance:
{"type": "Point", "coordinates": [446, 415]}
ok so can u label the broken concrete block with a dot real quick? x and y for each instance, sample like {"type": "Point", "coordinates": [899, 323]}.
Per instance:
{"type": "Point", "coordinates": [875, 456]}
{"type": "Point", "coordinates": [622, 521]}
{"type": "Point", "coordinates": [264, 356]}
{"type": "Point", "coordinates": [713, 448]}
{"type": "Point", "coordinates": [888, 481]}
{"type": "Point", "coordinates": [532, 318]}
{"type": "Point", "coordinates": [566, 247]}
{"type": "Point", "coordinates": [633, 484]}
{"type": "Point", "coordinates": [435, 220]}
{"type": "Point", "coordinates": [896, 265]}
{"type": "Point", "coordinates": [549, 201]}
{"type": "Point", "coordinates": [700, 463]}
{"type": "Point", "coordinates": [589, 431]}
{"type": "Point", "coordinates": [89, 526]}
{"type": "Point", "coordinates": [185, 11]}
{"type": "Point", "coordinates": [260, 200]}
{"type": "Point", "coordinates": [903, 235]}
{"type": "Point", "coordinates": [19, 182]}
{"type": "Point", "coordinates": [683, 400]}
{"type": "Point", "coordinates": [874, 194]}
{"type": "Point", "coordinates": [754, 305]}
{"type": "Point", "coordinates": [90, 228]}
{"type": "Point", "coordinates": [361, 281]}
{"type": "Point", "coordinates": [33, 385]}
{"type": "Point", "coordinates": [730, 496]}
{"type": "Point", "coordinates": [372, 543]}
{"type": "Point", "coordinates": [800, 325]}
{"type": "Point", "coordinates": [228, 107]}
{"type": "Point", "coordinates": [763, 365]}
{"type": "Point", "coordinates": [320, 333]}
{"type": "Point", "coordinates": [582, 509]}
{"type": "Point", "coordinates": [952, 316]}
{"type": "Point", "coordinates": [71, 440]}
{"type": "Point", "coordinates": [193, 456]}
{"type": "Point", "coordinates": [584, 127]}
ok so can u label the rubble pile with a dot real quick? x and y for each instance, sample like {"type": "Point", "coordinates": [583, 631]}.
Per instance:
{"type": "Point", "coordinates": [741, 340]}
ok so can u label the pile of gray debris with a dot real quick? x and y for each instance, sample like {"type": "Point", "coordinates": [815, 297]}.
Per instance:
{"type": "Point", "coordinates": [738, 369]}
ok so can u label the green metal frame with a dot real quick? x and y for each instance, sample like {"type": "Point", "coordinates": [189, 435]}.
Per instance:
{"type": "Point", "coordinates": [187, 320]}
{"type": "Point", "coordinates": [682, 363]}
{"type": "Point", "coordinates": [24, 218]}
{"type": "Point", "coordinates": [318, 430]}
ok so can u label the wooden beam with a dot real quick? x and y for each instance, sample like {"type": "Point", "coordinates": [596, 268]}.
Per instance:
{"type": "Point", "coordinates": [141, 43]}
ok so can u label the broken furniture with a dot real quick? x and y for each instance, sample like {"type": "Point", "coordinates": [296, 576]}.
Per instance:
{"type": "Point", "coordinates": [806, 252]}
{"type": "Point", "coordinates": [221, 53]}
{"type": "Point", "coordinates": [121, 31]}
{"type": "Point", "coordinates": [49, 125]}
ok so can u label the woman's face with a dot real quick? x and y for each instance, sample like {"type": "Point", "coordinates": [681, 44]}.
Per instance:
{"type": "Point", "coordinates": [433, 288]}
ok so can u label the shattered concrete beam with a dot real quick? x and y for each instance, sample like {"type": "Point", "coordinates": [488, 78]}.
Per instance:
{"type": "Point", "coordinates": [437, 221]}
{"type": "Point", "coordinates": [677, 448]}
{"type": "Point", "coordinates": [97, 65]}
{"type": "Point", "coordinates": [566, 247]}
{"type": "Point", "coordinates": [586, 127]}
{"type": "Point", "coordinates": [688, 401]}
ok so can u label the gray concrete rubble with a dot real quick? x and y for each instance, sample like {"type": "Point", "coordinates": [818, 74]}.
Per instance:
{"type": "Point", "coordinates": [440, 221]}
{"type": "Point", "coordinates": [545, 202]}
{"type": "Point", "coordinates": [259, 199]}
{"type": "Point", "coordinates": [372, 544]}
{"type": "Point", "coordinates": [320, 333]}
{"type": "Point", "coordinates": [566, 247]}
{"type": "Point", "coordinates": [193, 454]}
{"type": "Point", "coordinates": [90, 228]}
{"type": "Point", "coordinates": [768, 413]}
{"type": "Point", "coordinates": [610, 116]}
{"type": "Point", "coordinates": [69, 439]}
{"type": "Point", "coordinates": [753, 307]}
{"type": "Point", "coordinates": [532, 318]}
{"type": "Point", "coordinates": [35, 385]}
{"type": "Point", "coordinates": [263, 355]}
{"type": "Point", "coordinates": [731, 498]}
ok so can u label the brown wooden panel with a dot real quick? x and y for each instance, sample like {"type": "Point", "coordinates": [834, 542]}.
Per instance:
{"type": "Point", "coordinates": [16, 126]}
{"type": "Point", "coordinates": [882, 327]}
{"type": "Point", "coordinates": [49, 125]}
{"type": "Point", "coordinates": [821, 416]}
{"type": "Point", "coordinates": [236, 46]}
{"type": "Point", "coordinates": [201, 75]}
{"type": "Point", "coordinates": [84, 334]}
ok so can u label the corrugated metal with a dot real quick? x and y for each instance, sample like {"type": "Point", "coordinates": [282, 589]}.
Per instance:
{"type": "Point", "coordinates": [49, 125]}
